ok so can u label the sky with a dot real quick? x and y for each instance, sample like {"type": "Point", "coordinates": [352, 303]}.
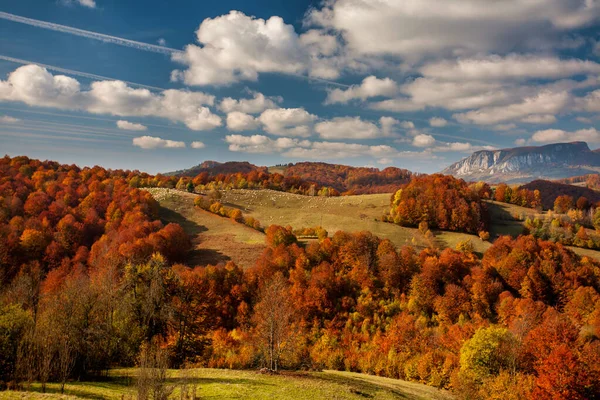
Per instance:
{"type": "Point", "coordinates": [158, 85]}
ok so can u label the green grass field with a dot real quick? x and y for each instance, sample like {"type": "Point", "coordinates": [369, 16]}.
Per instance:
{"type": "Point", "coordinates": [231, 384]}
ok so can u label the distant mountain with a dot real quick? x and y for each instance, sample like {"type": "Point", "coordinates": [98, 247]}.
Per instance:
{"type": "Point", "coordinates": [215, 168]}
{"type": "Point", "coordinates": [523, 164]}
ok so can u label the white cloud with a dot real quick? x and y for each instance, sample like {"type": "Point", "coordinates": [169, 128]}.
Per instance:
{"type": "Point", "coordinates": [329, 150]}
{"type": "Point", "coordinates": [305, 149]}
{"type": "Point", "coordinates": [239, 121]}
{"type": "Point", "coordinates": [371, 86]}
{"type": "Point", "coordinates": [463, 147]}
{"type": "Point", "coordinates": [35, 86]}
{"type": "Point", "coordinates": [255, 105]}
{"type": "Point", "coordinates": [591, 135]}
{"type": "Point", "coordinates": [161, 42]}
{"type": "Point", "coordinates": [151, 142]}
{"type": "Point", "coordinates": [513, 66]}
{"type": "Point", "coordinates": [197, 145]}
{"type": "Point", "coordinates": [438, 122]}
{"type": "Point", "coordinates": [539, 119]}
{"type": "Point", "coordinates": [590, 102]}
{"type": "Point", "coordinates": [130, 126]}
{"type": "Point", "coordinates": [415, 29]}
{"type": "Point", "coordinates": [388, 125]}
{"type": "Point", "coordinates": [287, 121]}
{"type": "Point", "coordinates": [348, 128]}
{"type": "Point", "coordinates": [385, 161]}
{"type": "Point", "coordinates": [545, 102]}
{"type": "Point", "coordinates": [504, 127]}
{"type": "Point", "coordinates": [319, 43]}
{"type": "Point", "coordinates": [423, 140]}
{"type": "Point", "coordinates": [262, 144]}
{"type": "Point", "coordinates": [8, 119]}
{"type": "Point", "coordinates": [520, 142]}
{"type": "Point", "coordinates": [85, 3]}
{"type": "Point", "coordinates": [238, 47]}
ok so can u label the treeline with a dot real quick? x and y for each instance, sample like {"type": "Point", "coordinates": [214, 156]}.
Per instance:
{"type": "Point", "coordinates": [441, 202]}
{"type": "Point", "coordinates": [312, 179]}
{"type": "Point", "coordinates": [520, 196]}
{"type": "Point", "coordinates": [549, 191]}
{"type": "Point", "coordinates": [213, 205]}
{"type": "Point", "coordinates": [251, 180]}
{"type": "Point", "coordinates": [350, 180]}
{"type": "Point", "coordinates": [592, 181]}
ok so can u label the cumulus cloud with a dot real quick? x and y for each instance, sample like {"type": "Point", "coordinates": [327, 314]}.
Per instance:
{"type": "Point", "coordinates": [6, 119]}
{"type": "Point", "coordinates": [354, 128]}
{"type": "Point", "coordinates": [288, 122]}
{"type": "Point", "coordinates": [130, 126]}
{"type": "Point", "coordinates": [197, 145]}
{"type": "Point", "coordinates": [540, 119]}
{"type": "Point", "coordinates": [590, 102]}
{"type": "Point", "coordinates": [513, 66]}
{"type": "Point", "coordinates": [544, 103]}
{"type": "Point", "coordinates": [438, 122]}
{"type": "Point", "coordinates": [591, 135]}
{"type": "Point", "coordinates": [520, 142]}
{"type": "Point", "coordinates": [371, 86]}
{"type": "Point", "coordinates": [262, 144]}
{"type": "Point", "coordinates": [432, 27]}
{"type": "Point", "coordinates": [423, 140]}
{"type": "Point", "coordinates": [239, 121]}
{"type": "Point", "coordinates": [151, 142]}
{"type": "Point", "coordinates": [462, 147]}
{"type": "Point", "coordinates": [35, 86]}
{"type": "Point", "coordinates": [255, 105]}
{"type": "Point", "coordinates": [85, 3]}
{"type": "Point", "coordinates": [236, 47]}
{"type": "Point", "coordinates": [305, 149]}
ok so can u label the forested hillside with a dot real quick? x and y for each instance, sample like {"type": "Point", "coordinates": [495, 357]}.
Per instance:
{"type": "Point", "coordinates": [550, 190]}
{"type": "Point", "coordinates": [351, 180]}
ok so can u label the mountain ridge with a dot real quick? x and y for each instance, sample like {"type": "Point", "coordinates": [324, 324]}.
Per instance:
{"type": "Point", "coordinates": [522, 164]}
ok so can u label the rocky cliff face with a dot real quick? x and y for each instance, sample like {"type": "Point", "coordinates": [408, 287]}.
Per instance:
{"type": "Point", "coordinates": [522, 164]}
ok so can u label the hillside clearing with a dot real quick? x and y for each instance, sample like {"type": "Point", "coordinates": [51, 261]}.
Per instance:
{"type": "Point", "coordinates": [215, 239]}
{"type": "Point", "coordinates": [232, 384]}
{"type": "Point", "coordinates": [344, 213]}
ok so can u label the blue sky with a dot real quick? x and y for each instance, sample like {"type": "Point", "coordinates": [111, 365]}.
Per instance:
{"type": "Point", "coordinates": [413, 84]}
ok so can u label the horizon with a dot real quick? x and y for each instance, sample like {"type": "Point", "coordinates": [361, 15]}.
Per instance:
{"type": "Point", "coordinates": [150, 87]}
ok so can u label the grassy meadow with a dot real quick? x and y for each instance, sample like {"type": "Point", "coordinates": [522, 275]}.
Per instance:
{"type": "Point", "coordinates": [218, 239]}
{"type": "Point", "coordinates": [233, 384]}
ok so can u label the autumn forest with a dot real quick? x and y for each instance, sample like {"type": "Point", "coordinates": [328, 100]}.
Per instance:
{"type": "Point", "coordinates": [91, 279]}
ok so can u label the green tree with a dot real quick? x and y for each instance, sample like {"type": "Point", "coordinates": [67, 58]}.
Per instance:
{"type": "Point", "coordinates": [489, 351]}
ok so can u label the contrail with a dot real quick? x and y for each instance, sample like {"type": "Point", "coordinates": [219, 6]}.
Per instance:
{"type": "Point", "coordinates": [123, 42]}
{"type": "Point", "coordinates": [88, 34]}
{"type": "Point", "coordinates": [76, 73]}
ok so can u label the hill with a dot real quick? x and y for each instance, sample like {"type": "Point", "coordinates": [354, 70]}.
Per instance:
{"type": "Point", "coordinates": [344, 178]}
{"type": "Point", "coordinates": [523, 164]}
{"type": "Point", "coordinates": [215, 239]}
{"type": "Point", "coordinates": [549, 191]}
{"type": "Point", "coordinates": [213, 168]}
